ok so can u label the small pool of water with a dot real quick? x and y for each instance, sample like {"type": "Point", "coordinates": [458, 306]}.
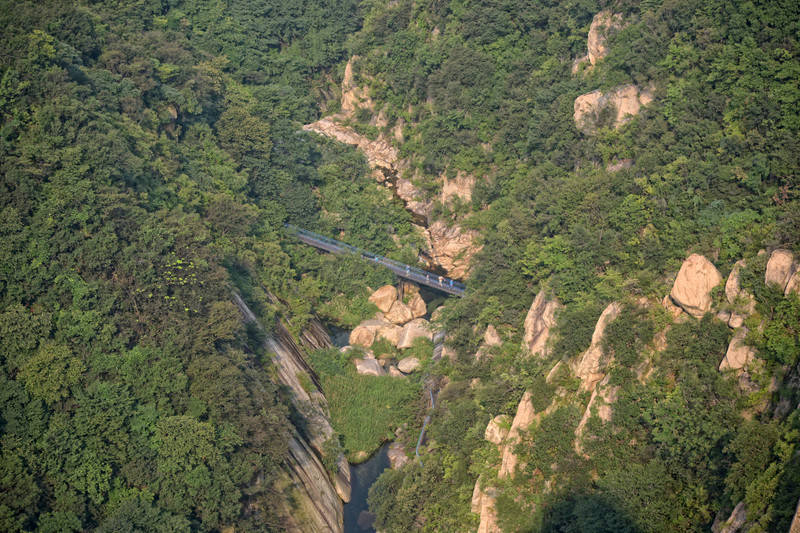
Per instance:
{"type": "Point", "coordinates": [357, 518]}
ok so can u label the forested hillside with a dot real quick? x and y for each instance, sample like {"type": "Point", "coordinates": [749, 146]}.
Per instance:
{"type": "Point", "coordinates": [626, 173]}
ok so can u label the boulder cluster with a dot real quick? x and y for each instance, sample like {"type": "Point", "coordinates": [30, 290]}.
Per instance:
{"type": "Point", "coordinates": [399, 321]}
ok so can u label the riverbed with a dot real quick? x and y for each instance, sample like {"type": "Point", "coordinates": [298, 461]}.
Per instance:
{"type": "Point", "coordinates": [357, 518]}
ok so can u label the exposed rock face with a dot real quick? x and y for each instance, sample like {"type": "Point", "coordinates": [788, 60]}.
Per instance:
{"type": "Point", "coordinates": [692, 288]}
{"type": "Point", "coordinates": [626, 102]}
{"type": "Point", "coordinates": [380, 153]}
{"type": "Point", "coordinates": [602, 24]}
{"type": "Point", "coordinates": [780, 269]}
{"type": "Point", "coordinates": [452, 247]}
{"type": "Point", "coordinates": [795, 526]}
{"type": "Point", "coordinates": [395, 373]}
{"type": "Point", "coordinates": [496, 429]}
{"type": "Point", "coordinates": [522, 420]}
{"type": "Point", "coordinates": [794, 284]}
{"type": "Point", "coordinates": [459, 187]}
{"type": "Point", "coordinates": [408, 365]}
{"type": "Point", "coordinates": [417, 306]}
{"type": "Point", "coordinates": [619, 164]}
{"type": "Point", "coordinates": [590, 368]}
{"type": "Point", "coordinates": [413, 330]}
{"type": "Point", "coordinates": [735, 522]}
{"type": "Point", "coordinates": [743, 301]}
{"type": "Point", "coordinates": [540, 319]}
{"type": "Point", "coordinates": [491, 337]}
{"type": "Point", "coordinates": [738, 354]}
{"type": "Point", "coordinates": [602, 398]}
{"type": "Point", "coordinates": [413, 197]}
{"type": "Point", "coordinates": [384, 297]}
{"type": "Point", "coordinates": [316, 505]}
{"type": "Point", "coordinates": [483, 503]}
{"type": "Point", "coordinates": [399, 313]}
{"type": "Point", "coordinates": [369, 367]}
{"type": "Point", "coordinates": [353, 96]}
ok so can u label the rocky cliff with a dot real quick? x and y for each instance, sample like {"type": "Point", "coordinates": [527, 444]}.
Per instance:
{"type": "Point", "coordinates": [449, 246]}
{"type": "Point", "coordinates": [315, 494]}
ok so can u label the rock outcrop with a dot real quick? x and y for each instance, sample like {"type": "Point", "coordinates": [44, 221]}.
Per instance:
{"type": "Point", "coordinates": [795, 525]}
{"type": "Point", "coordinates": [590, 365]}
{"type": "Point", "coordinates": [540, 319]}
{"type": "Point", "coordinates": [734, 522]}
{"type": "Point", "coordinates": [458, 187]}
{"type": "Point", "coordinates": [742, 302]}
{"type": "Point", "coordinates": [389, 332]}
{"type": "Point", "coordinates": [602, 25]}
{"type": "Point", "coordinates": [384, 297]}
{"type": "Point", "coordinates": [739, 354]}
{"type": "Point", "coordinates": [692, 288]}
{"type": "Point", "coordinates": [780, 269]}
{"type": "Point", "coordinates": [525, 415]}
{"type": "Point", "coordinates": [793, 286]}
{"type": "Point", "coordinates": [316, 502]}
{"type": "Point", "coordinates": [452, 247]}
{"type": "Point", "coordinates": [497, 429]}
{"type": "Point", "coordinates": [620, 103]}
{"type": "Point", "coordinates": [602, 398]}
{"type": "Point", "coordinates": [415, 329]}
{"type": "Point", "coordinates": [483, 504]}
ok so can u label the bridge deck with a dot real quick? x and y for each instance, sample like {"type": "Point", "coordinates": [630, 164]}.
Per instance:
{"type": "Point", "coordinates": [402, 270]}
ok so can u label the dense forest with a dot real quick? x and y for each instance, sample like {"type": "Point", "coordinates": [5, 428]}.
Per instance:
{"type": "Point", "coordinates": [152, 151]}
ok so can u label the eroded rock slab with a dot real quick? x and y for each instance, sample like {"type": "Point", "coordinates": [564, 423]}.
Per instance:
{"type": "Point", "coordinates": [539, 321]}
{"type": "Point", "coordinates": [780, 269]}
{"type": "Point", "coordinates": [384, 297]}
{"type": "Point", "coordinates": [590, 368]}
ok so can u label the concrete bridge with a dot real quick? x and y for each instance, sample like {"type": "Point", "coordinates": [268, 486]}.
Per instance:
{"type": "Point", "coordinates": [417, 275]}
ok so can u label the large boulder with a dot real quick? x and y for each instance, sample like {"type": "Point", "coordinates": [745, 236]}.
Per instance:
{"type": "Point", "coordinates": [390, 332]}
{"type": "Point", "coordinates": [497, 429]}
{"type": "Point", "coordinates": [369, 367]}
{"type": "Point", "coordinates": [525, 415]}
{"type": "Point", "coordinates": [738, 354]}
{"type": "Point", "coordinates": [780, 269]}
{"type": "Point", "coordinates": [384, 297]}
{"type": "Point", "coordinates": [590, 366]}
{"type": "Point", "coordinates": [364, 333]}
{"type": "Point", "coordinates": [540, 319]}
{"type": "Point", "coordinates": [417, 306]}
{"type": "Point", "coordinates": [692, 288]}
{"type": "Point", "coordinates": [399, 313]}
{"type": "Point", "coordinates": [408, 365]}
{"type": "Point", "coordinates": [413, 330]}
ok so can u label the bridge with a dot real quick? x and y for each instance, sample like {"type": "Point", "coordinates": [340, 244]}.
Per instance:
{"type": "Point", "coordinates": [417, 275]}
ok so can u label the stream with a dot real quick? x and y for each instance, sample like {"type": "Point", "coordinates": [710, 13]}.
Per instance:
{"type": "Point", "coordinates": [357, 518]}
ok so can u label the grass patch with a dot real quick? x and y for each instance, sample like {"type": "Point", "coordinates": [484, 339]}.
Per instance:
{"type": "Point", "coordinates": [365, 410]}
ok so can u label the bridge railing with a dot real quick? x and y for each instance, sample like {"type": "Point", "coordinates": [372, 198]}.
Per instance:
{"type": "Point", "coordinates": [401, 269]}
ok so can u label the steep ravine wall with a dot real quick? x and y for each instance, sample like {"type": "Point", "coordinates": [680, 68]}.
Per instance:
{"type": "Point", "coordinates": [313, 498]}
